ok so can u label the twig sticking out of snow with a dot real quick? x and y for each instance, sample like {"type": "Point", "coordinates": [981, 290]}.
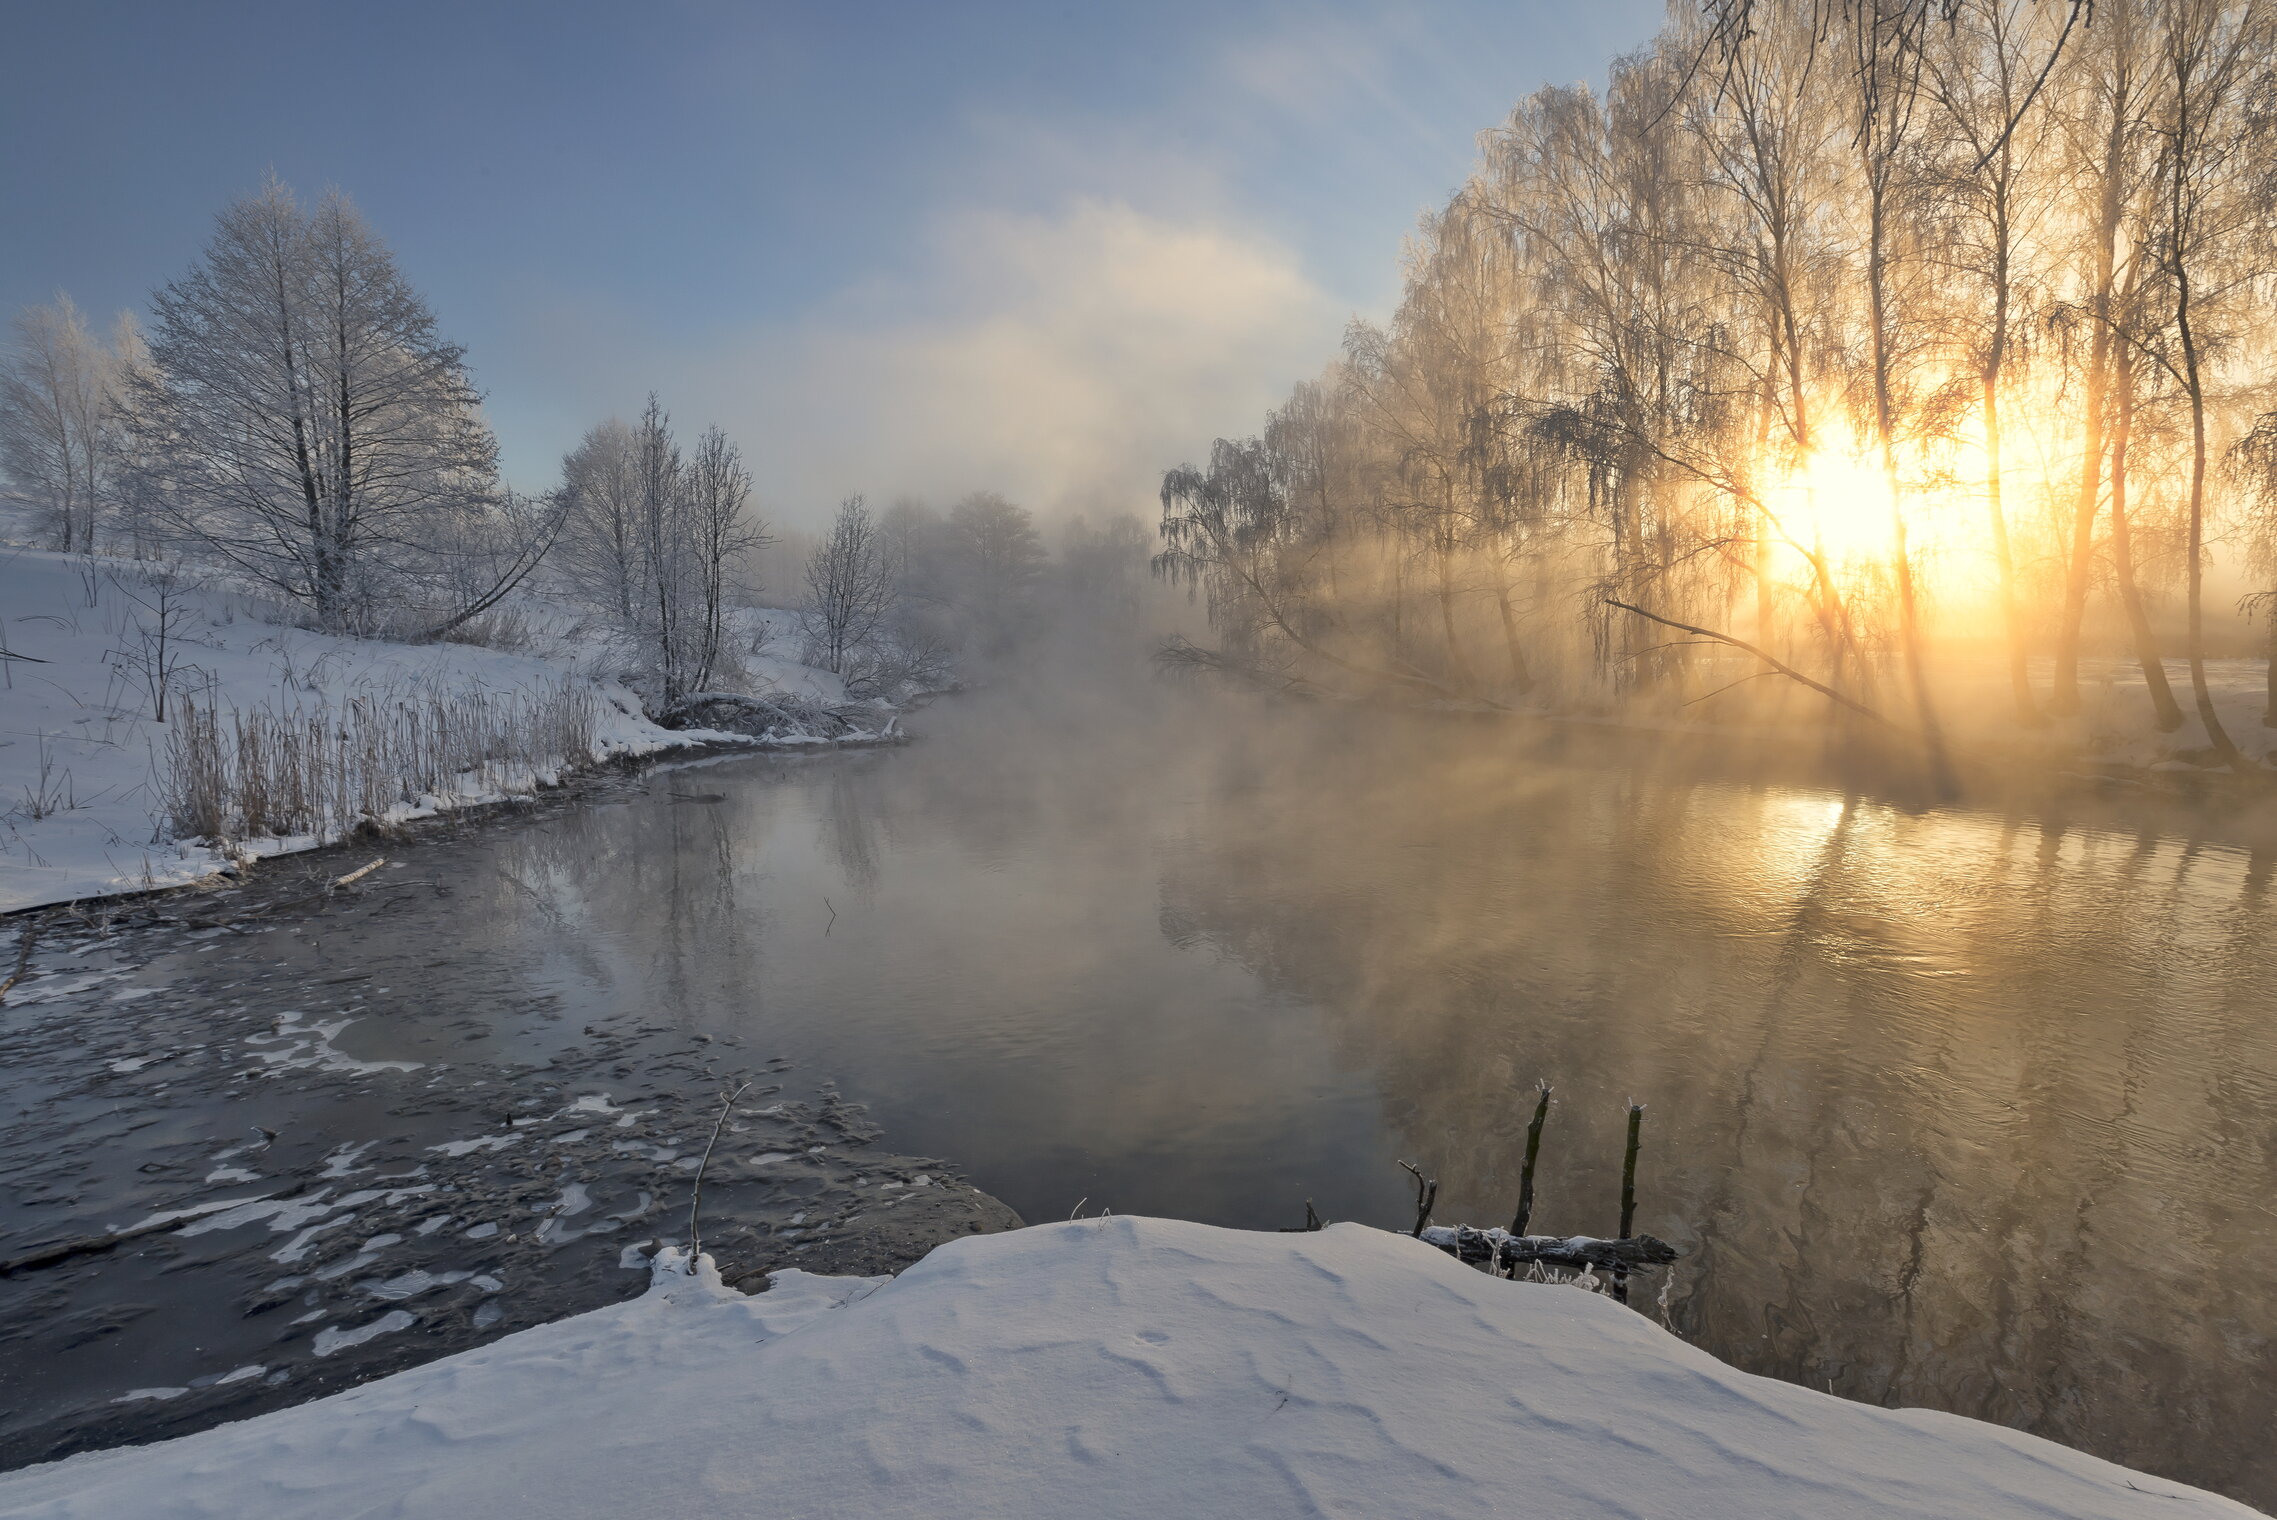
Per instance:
{"type": "Point", "coordinates": [696, 1198]}
{"type": "Point", "coordinates": [1426, 1194]}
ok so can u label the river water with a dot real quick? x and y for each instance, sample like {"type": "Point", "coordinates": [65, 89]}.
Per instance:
{"type": "Point", "coordinates": [1972, 1107]}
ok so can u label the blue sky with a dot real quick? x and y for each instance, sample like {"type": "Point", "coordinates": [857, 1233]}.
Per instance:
{"type": "Point", "coordinates": [892, 247]}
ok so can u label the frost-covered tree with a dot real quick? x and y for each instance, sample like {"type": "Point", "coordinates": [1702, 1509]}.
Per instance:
{"type": "Point", "coordinates": [720, 533]}
{"type": "Point", "coordinates": [849, 590]}
{"type": "Point", "coordinates": [59, 411]}
{"type": "Point", "coordinates": [310, 426]}
{"type": "Point", "coordinates": [649, 540]}
{"type": "Point", "coordinates": [598, 554]}
{"type": "Point", "coordinates": [1822, 348]}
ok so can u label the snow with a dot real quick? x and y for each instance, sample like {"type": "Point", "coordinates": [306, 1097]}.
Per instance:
{"type": "Point", "coordinates": [80, 810]}
{"type": "Point", "coordinates": [1109, 1368]}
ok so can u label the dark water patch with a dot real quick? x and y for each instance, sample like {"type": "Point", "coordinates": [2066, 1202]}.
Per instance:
{"type": "Point", "coordinates": [323, 1176]}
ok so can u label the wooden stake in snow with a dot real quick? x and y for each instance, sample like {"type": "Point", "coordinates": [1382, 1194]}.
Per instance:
{"type": "Point", "coordinates": [1508, 1251]}
{"type": "Point", "coordinates": [1426, 1194]}
{"type": "Point", "coordinates": [1628, 1197]}
{"type": "Point", "coordinates": [1533, 1153]}
{"type": "Point", "coordinates": [1629, 1173]}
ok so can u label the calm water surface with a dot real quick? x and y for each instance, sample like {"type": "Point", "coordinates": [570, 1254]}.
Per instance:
{"type": "Point", "coordinates": [1963, 1109]}
{"type": "Point", "coordinates": [1972, 1109]}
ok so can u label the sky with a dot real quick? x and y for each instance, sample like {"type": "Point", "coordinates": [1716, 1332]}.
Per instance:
{"type": "Point", "coordinates": [1048, 249]}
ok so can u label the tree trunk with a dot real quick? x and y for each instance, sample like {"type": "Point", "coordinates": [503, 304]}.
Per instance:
{"type": "Point", "coordinates": [1457, 666]}
{"type": "Point", "coordinates": [1521, 677]}
{"type": "Point", "coordinates": [2064, 696]}
{"type": "Point", "coordinates": [2167, 712]}
{"type": "Point", "coordinates": [2269, 699]}
{"type": "Point", "coordinates": [2012, 617]}
{"type": "Point", "coordinates": [2216, 735]}
{"type": "Point", "coordinates": [1885, 429]}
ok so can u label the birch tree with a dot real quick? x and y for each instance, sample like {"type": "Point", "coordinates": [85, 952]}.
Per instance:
{"type": "Point", "coordinates": [2212, 244]}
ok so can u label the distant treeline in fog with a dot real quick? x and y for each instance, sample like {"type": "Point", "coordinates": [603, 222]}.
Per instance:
{"type": "Point", "coordinates": [290, 416]}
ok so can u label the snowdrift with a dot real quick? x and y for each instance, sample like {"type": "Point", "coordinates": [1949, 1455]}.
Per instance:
{"type": "Point", "coordinates": [1104, 1368]}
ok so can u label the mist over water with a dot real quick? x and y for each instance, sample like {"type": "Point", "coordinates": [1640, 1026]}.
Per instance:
{"type": "Point", "coordinates": [1967, 1108]}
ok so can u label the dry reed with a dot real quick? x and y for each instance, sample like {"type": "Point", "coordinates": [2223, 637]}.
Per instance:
{"type": "Point", "coordinates": [326, 770]}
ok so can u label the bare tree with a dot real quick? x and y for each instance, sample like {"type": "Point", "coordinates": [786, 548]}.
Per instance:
{"type": "Point", "coordinates": [849, 590]}
{"type": "Point", "coordinates": [658, 497]}
{"type": "Point", "coordinates": [1980, 70]}
{"type": "Point", "coordinates": [648, 539]}
{"type": "Point", "coordinates": [2105, 105]}
{"type": "Point", "coordinates": [1886, 45]}
{"type": "Point", "coordinates": [2212, 130]}
{"type": "Point", "coordinates": [58, 410]}
{"type": "Point", "coordinates": [718, 491]}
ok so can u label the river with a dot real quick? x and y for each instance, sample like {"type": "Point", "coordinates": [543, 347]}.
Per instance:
{"type": "Point", "coordinates": [1970, 1107]}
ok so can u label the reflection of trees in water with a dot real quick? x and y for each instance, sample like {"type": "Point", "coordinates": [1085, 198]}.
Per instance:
{"type": "Point", "coordinates": [1954, 1110]}
{"type": "Point", "coordinates": [853, 826]}
{"type": "Point", "coordinates": [647, 887]}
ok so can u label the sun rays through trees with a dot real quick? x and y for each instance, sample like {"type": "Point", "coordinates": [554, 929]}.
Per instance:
{"type": "Point", "coordinates": [1875, 342]}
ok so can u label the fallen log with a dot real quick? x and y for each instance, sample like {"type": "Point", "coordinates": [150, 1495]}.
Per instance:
{"type": "Point", "coordinates": [1505, 1250]}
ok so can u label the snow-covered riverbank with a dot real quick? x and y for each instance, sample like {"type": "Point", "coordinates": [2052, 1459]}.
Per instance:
{"type": "Point", "coordinates": [1111, 1367]}
{"type": "Point", "coordinates": [92, 644]}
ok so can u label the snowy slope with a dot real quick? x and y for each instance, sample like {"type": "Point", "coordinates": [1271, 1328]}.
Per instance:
{"type": "Point", "coordinates": [1105, 1368]}
{"type": "Point", "coordinates": [80, 813]}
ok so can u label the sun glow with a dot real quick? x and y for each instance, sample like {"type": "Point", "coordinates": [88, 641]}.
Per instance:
{"type": "Point", "coordinates": [1836, 504]}
{"type": "Point", "coordinates": [1832, 513]}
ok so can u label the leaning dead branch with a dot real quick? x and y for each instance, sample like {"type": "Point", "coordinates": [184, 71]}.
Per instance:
{"type": "Point", "coordinates": [1778, 665]}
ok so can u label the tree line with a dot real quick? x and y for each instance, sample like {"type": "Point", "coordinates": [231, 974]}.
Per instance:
{"type": "Point", "coordinates": [292, 414]}
{"type": "Point", "coordinates": [1826, 346]}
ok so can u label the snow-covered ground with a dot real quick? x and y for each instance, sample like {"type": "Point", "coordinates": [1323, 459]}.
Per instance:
{"type": "Point", "coordinates": [1103, 1368]}
{"type": "Point", "coordinates": [82, 811]}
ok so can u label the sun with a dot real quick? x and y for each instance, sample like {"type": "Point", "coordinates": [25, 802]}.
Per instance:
{"type": "Point", "coordinates": [1836, 504]}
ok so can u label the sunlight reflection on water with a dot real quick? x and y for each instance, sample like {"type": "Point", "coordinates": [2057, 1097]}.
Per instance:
{"type": "Point", "coordinates": [1962, 1108]}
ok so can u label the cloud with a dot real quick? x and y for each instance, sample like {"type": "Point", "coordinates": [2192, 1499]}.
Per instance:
{"type": "Point", "coordinates": [1066, 359]}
